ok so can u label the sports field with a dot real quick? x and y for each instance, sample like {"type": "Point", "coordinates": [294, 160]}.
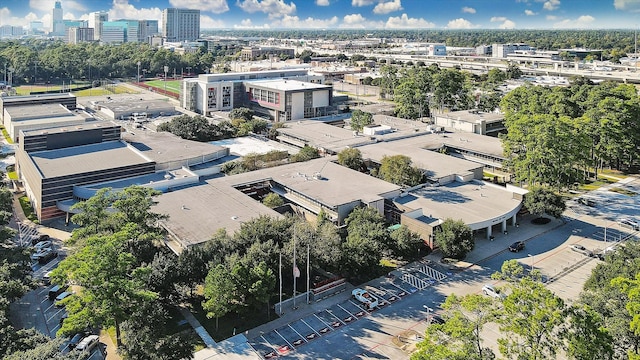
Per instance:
{"type": "Point", "coordinates": [172, 85]}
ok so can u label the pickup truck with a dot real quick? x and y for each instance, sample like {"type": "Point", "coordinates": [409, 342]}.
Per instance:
{"type": "Point", "coordinates": [364, 297]}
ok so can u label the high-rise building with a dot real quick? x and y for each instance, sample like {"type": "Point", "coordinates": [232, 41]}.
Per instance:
{"type": "Point", "coordinates": [114, 32]}
{"type": "Point", "coordinates": [180, 24]}
{"type": "Point", "coordinates": [79, 34]}
{"type": "Point", "coordinates": [147, 29]}
{"type": "Point", "coordinates": [57, 25]}
{"type": "Point", "coordinates": [95, 21]}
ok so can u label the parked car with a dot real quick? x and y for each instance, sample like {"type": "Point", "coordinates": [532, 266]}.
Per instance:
{"type": "Point", "coordinates": [38, 238]}
{"type": "Point", "coordinates": [581, 249]}
{"type": "Point", "coordinates": [75, 340]}
{"type": "Point", "coordinates": [38, 254]}
{"type": "Point", "coordinates": [630, 223]}
{"type": "Point", "coordinates": [55, 291]}
{"type": "Point", "coordinates": [490, 290]}
{"type": "Point", "coordinates": [88, 343]}
{"type": "Point", "coordinates": [516, 246]}
{"type": "Point", "coordinates": [47, 256]}
{"type": "Point", "coordinates": [62, 296]}
{"type": "Point", "coordinates": [47, 244]}
{"type": "Point", "coordinates": [46, 278]}
{"type": "Point", "coordinates": [586, 201]}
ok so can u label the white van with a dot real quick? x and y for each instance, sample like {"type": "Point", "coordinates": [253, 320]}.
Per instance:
{"type": "Point", "coordinates": [88, 343]}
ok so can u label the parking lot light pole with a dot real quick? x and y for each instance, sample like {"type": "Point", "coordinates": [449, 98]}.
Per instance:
{"type": "Point", "coordinates": [138, 78]}
{"type": "Point", "coordinates": [532, 261]}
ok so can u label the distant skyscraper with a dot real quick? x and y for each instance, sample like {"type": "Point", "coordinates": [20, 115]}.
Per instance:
{"type": "Point", "coordinates": [96, 21]}
{"type": "Point", "coordinates": [79, 34]}
{"type": "Point", "coordinates": [57, 26]}
{"type": "Point", "coordinates": [147, 29]}
{"type": "Point", "coordinates": [180, 24]}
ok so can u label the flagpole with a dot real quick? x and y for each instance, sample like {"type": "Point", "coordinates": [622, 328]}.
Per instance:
{"type": "Point", "coordinates": [295, 266]}
{"type": "Point", "coordinates": [308, 277]}
{"type": "Point", "coordinates": [280, 276]}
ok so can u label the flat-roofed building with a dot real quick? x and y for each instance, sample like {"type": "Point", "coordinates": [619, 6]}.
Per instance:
{"type": "Point", "coordinates": [315, 186]}
{"type": "Point", "coordinates": [67, 99]}
{"type": "Point", "coordinates": [124, 108]}
{"type": "Point", "coordinates": [77, 35]}
{"type": "Point", "coordinates": [180, 24]}
{"type": "Point", "coordinates": [472, 121]}
{"type": "Point", "coordinates": [286, 100]}
{"type": "Point", "coordinates": [49, 176]}
{"type": "Point", "coordinates": [28, 117]}
{"type": "Point", "coordinates": [222, 92]}
{"type": "Point", "coordinates": [249, 53]}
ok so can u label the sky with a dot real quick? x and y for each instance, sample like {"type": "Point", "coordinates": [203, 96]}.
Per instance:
{"type": "Point", "coordinates": [349, 14]}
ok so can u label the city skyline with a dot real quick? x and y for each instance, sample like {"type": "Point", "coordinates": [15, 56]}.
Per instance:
{"type": "Point", "coordinates": [349, 14]}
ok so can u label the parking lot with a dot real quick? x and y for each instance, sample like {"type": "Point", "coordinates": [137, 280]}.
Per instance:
{"type": "Point", "coordinates": [36, 310]}
{"type": "Point", "coordinates": [284, 340]}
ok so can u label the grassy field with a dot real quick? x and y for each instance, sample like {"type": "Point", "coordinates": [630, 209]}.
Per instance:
{"type": "Point", "coordinates": [172, 85]}
{"type": "Point", "coordinates": [98, 91]}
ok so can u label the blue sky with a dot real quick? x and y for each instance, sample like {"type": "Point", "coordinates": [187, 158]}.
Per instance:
{"type": "Point", "coordinates": [352, 14]}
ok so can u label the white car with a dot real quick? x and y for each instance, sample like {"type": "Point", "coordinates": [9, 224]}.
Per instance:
{"type": "Point", "coordinates": [490, 290]}
{"type": "Point", "coordinates": [630, 223]}
{"type": "Point", "coordinates": [88, 343]}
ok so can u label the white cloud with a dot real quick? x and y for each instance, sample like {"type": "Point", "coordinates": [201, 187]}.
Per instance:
{"type": "Point", "coordinates": [248, 24]}
{"type": "Point", "coordinates": [468, 10]}
{"type": "Point", "coordinates": [387, 7]}
{"type": "Point", "coordinates": [507, 24]}
{"type": "Point", "coordinates": [353, 19]}
{"type": "Point", "coordinates": [529, 12]}
{"type": "Point", "coordinates": [631, 5]}
{"type": "Point", "coordinates": [214, 6]}
{"type": "Point", "coordinates": [274, 8]}
{"type": "Point", "coordinates": [123, 10]}
{"type": "Point", "coordinates": [7, 18]}
{"type": "Point", "coordinates": [581, 22]}
{"type": "Point", "coordinates": [498, 19]}
{"type": "Point", "coordinates": [551, 5]}
{"type": "Point", "coordinates": [207, 22]}
{"type": "Point", "coordinates": [360, 3]}
{"type": "Point", "coordinates": [295, 22]}
{"type": "Point", "coordinates": [551, 17]}
{"type": "Point", "coordinates": [460, 23]}
{"type": "Point", "coordinates": [47, 5]}
{"type": "Point", "coordinates": [322, 2]}
{"type": "Point", "coordinates": [405, 22]}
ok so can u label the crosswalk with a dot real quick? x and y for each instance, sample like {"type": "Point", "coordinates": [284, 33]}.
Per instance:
{"type": "Point", "coordinates": [25, 234]}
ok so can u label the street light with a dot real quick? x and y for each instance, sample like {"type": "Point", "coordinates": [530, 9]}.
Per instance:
{"type": "Point", "coordinates": [166, 69]}
{"type": "Point", "coordinates": [138, 78]}
{"type": "Point", "coordinates": [532, 261]}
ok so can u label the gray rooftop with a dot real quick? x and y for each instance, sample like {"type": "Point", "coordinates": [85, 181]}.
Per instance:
{"type": "Point", "coordinates": [163, 147]}
{"type": "Point", "coordinates": [85, 158]}
{"type": "Point", "coordinates": [288, 85]}
{"type": "Point", "coordinates": [339, 185]}
{"type": "Point", "coordinates": [217, 204]}
{"type": "Point", "coordinates": [90, 123]}
{"type": "Point", "coordinates": [38, 111]}
{"type": "Point", "coordinates": [197, 212]}
{"type": "Point", "coordinates": [472, 116]}
{"type": "Point", "coordinates": [473, 202]}
{"type": "Point", "coordinates": [436, 164]}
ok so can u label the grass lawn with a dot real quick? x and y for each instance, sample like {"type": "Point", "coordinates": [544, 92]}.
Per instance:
{"type": "Point", "coordinates": [623, 191]}
{"type": "Point", "coordinates": [26, 207]}
{"type": "Point", "coordinates": [172, 85]}
{"type": "Point", "coordinates": [592, 185]}
{"type": "Point", "coordinates": [6, 135]}
{"type": "Point", "coordinates": [228, 323]}
{"type": "Point", "coordinates": [99, 91]}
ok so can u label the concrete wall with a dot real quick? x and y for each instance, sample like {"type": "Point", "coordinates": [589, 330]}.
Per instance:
{"type": "Point", "coordinates": [321, 98]}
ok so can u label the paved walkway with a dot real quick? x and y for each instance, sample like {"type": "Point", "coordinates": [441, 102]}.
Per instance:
{"type": "Point", "coordinates": [195, 324]}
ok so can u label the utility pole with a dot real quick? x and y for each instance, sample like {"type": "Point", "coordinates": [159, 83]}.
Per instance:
{"type": "Point", "coordinates": [138, 78]}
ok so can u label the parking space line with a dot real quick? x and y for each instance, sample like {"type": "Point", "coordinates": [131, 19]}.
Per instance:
{"type": "Point", "coordinates": [312, 329]}
{"type": "Point", "coordinates": [326, 326]}
{"type": "Point", "coordinates": [283, 338]}
{"type": "Point", "coordinates": [269, 343]}
{"type": "Point", "coordinates": [334, 315]}
{"type": "Point", "coordinates": [301, 337]}
{"type": "Point", "coordinates": [347, 311]}
{"type": "Point", "coordinates": [358, 305]}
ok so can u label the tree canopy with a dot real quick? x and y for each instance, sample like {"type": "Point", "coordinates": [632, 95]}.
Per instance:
{"type": "Point", "coordinates": [454, 238]}
{"type": "Point", "coordinates": [397, 169]}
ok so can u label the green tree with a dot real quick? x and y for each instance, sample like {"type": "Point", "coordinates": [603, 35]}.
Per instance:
{"type": "Point", "coordinates": [272, 200]}
{"type": "Point", "coordinates": [397, 169]}
{"type": "Point", "coordinates": [366, 240]}
{"type": "Point", "coordinates": [241, 113]}
{"type": "Point", "coordinates": [454, 238]}
{"type": "Point", "coordinates": [586, 336]}
{"type": "Point", "coordinates": [531, 319]}
{"type": "Point", "coordinates": [540, 200]}
{"type": "Point", "coordinates": [219, 293]}
{"type": "Point", "coordinates": [112, 283]}
{"type": "Point", "coordinates": [406, 244]}
{"type": "Point", "coordinates": [148, 335]}
{"type": "Point", "coordinates": [360, 119]}
{"type": "Point", "coordinates": [351, 158]}
{"type": "Point", "coordinates": [305, 154]}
